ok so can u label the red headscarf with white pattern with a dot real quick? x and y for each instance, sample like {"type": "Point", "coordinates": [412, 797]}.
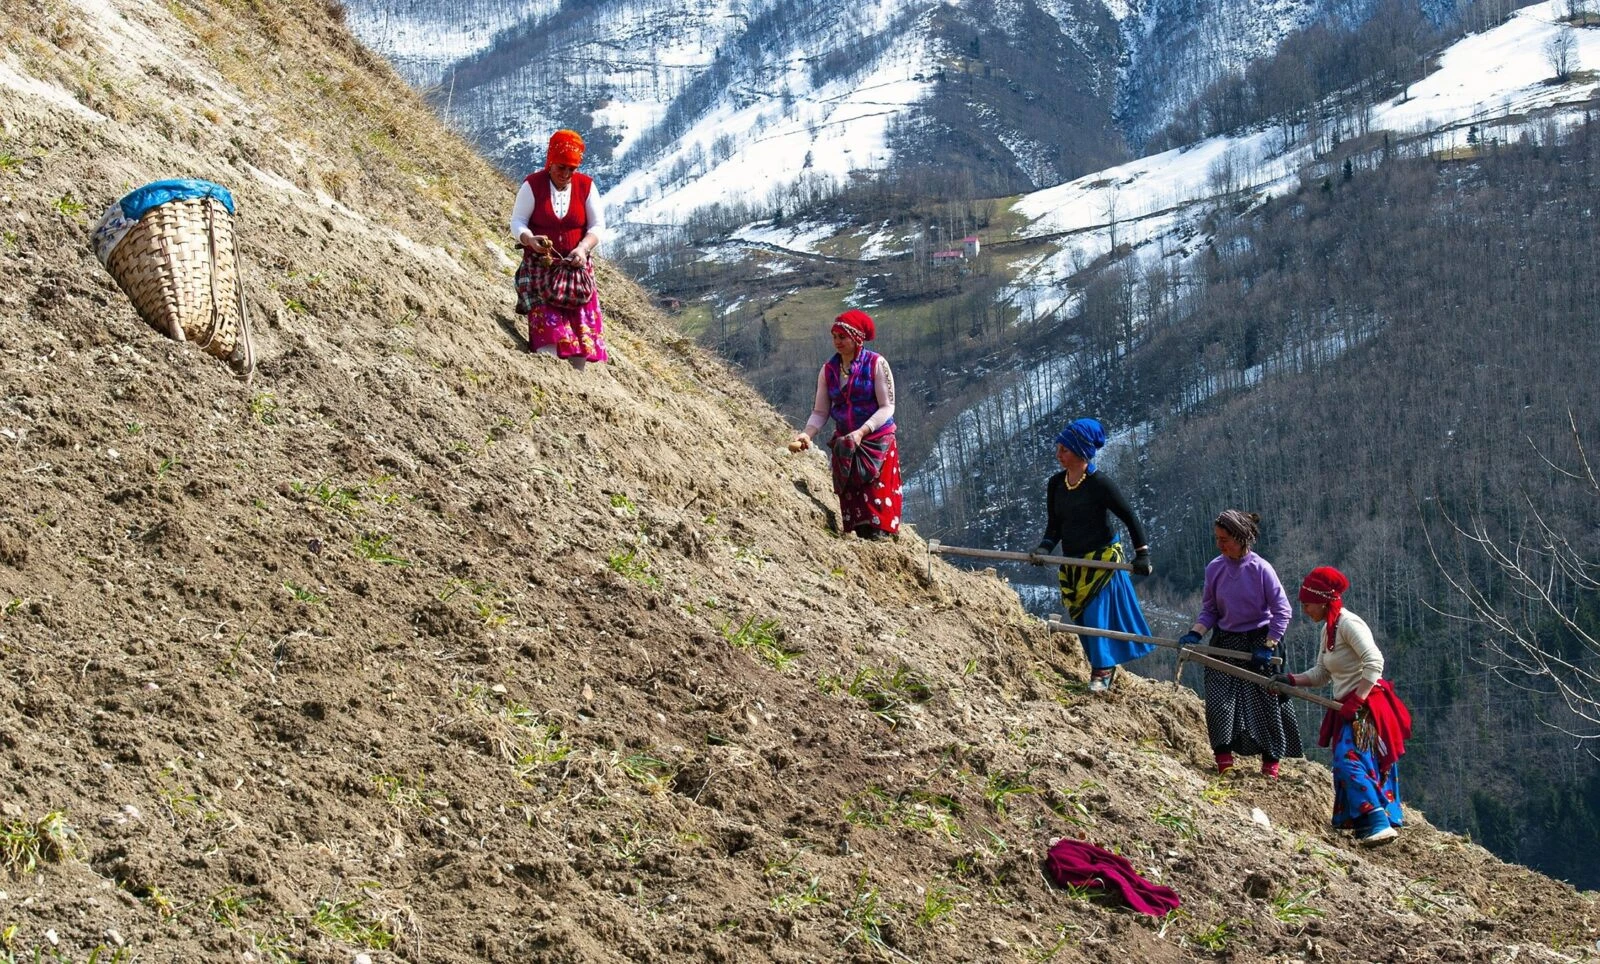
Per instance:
{"type": "Point", "coordinates": [1325, 586]}
{"type": "Point", "coordinates": [855, 325]}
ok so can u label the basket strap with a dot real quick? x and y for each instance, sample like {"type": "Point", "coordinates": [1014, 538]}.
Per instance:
{"type": "Point", "coordinates": [248, 363]}
{"type": "Point", "coordinates": [216, 309]}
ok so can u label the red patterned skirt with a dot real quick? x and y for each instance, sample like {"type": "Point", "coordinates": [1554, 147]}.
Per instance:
{"type": "Point", "coordinates": [874, 500]}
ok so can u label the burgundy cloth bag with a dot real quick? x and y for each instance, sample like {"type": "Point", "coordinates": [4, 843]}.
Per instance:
{"type": "Point", "coordinates": [1079, 864]}
{"type": "Point", "coordinates": [552, 281]}
{"type": "Point", "coordinates": [563, 284]}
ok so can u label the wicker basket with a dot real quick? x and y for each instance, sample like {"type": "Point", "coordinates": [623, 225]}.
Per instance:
{"type": "Point", "coordinates": [180, 266]}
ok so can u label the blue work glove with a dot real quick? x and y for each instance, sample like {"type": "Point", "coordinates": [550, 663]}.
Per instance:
{"type": "Point", "coordinates": [1190, 638]}
{"type": "Point", "coordinates": [1262, 657]}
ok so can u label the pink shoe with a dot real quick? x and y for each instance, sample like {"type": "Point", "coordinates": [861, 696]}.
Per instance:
{"type": "Point", "coordinates": [1224, 763]}
{"type": "Point", "coordinates": [1269, 769]}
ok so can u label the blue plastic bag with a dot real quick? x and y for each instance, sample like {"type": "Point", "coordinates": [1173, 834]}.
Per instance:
{"type": "Point", "coordinates": [120, 217]}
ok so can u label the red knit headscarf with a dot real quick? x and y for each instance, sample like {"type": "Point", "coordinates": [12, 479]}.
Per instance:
{"type": "Point", "coordinates": [566, 147]}
{"type": "Point", "coordinates": [1325, 586]}
{"type": "Point", "coordinates": [855, 325]}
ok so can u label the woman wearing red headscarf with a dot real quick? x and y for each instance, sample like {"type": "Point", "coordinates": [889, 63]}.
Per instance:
{"type": "Point", "coordinates": [1368, 731]}
{"type": "Point", "coordinates": [559, 214]}
{"type": "Point", "coordinates": [856, 389]}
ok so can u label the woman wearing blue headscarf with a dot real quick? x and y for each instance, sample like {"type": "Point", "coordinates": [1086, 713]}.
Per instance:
{"type": "Point", "coordinates": [1081, 500]}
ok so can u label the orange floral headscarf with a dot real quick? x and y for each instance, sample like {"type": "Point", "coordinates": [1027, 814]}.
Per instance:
{"type": "Point", "coordinates": [566, 147]}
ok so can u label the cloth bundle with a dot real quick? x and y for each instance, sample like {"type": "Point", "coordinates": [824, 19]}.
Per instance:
{"type": "Point", "coordinates": [1382, 728]}
{"type": "Point", "coordinates": [554, 282]}
{"type": "Point", "coordinates": [856, 466]}
{"type": "Point", "coordinates": [1079, 585]}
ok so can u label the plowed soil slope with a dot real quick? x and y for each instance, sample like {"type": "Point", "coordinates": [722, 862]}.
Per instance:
{"type": "Point", "coordinates": [422, 648]}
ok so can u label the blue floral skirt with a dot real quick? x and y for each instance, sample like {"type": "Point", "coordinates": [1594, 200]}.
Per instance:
{"type": "Point", "coordinates": [1359, 790]}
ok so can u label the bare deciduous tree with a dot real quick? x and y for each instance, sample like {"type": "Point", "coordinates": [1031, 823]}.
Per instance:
{"type": "Point", "coordinates": [1529, 598]}
{"type": "Point", "coordinates": [1561, 53]}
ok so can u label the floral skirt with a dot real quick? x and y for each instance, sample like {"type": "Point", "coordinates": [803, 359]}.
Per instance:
{"type": "Point", "coordinates": [877, 501]}
{"type": "Point", "coordinates": [572, 333]}
{"type": "Point", "coordinates": [1359, 787]}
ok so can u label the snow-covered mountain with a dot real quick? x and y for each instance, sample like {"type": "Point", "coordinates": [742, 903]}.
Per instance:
{"type": "Point", "coordinates": [734, 102]}
{"type": "Point", "coordinates": [1153, 216]}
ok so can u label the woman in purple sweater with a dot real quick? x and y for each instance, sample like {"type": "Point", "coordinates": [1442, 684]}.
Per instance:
{"type": "Point", "coordinates": [1244, 608]}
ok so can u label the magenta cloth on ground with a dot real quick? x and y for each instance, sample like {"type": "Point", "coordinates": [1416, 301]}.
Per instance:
{"type": "Point", "coordinates": [1078, 864]}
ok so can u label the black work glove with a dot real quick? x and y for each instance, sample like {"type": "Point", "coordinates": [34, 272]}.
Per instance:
{"type": "Point", "coordinates": [1190, 638]}
{"type": "Point", "coordinates": [1286, 679]}
{"type": "Point", "coordinates": [1141, 563]}
{"type": "Point", "coordinates": [1041, 549]}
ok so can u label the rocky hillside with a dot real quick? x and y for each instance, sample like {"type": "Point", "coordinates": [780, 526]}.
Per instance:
{"type": "Point", "coordinates": [419, 648]}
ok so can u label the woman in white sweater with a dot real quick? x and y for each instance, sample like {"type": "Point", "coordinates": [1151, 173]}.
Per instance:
{"type": "Point", "coordinates": [1368, 731]}
{"type": "Point", "coordinates": [558, 215]}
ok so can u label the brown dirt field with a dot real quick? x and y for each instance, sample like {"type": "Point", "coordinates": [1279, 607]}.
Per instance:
{"type": "Point", "coordinates": [419, 648]}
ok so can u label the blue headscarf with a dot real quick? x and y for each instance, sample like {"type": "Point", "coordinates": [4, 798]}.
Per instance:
{"type": "Point", "coordinates": [1084, 437]}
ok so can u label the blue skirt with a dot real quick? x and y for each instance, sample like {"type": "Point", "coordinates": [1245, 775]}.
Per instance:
{"type": "Point", "coordinates": [1114, 607]}
{"type": "Point", "coordinates": [1363, 798]}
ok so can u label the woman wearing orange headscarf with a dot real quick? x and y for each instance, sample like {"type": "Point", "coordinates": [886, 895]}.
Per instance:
{"type": "Point", "coordinates": [1368, 731]}
{"type": "Point", "coordinates": [559, 214]}
{"type": "Point", "coordinates": [856, 389]}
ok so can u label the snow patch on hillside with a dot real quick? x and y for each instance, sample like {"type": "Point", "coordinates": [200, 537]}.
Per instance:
{"type": "Point", "coordinates": [48, 93]}
{"type": "Point", "coordinates": [1139, 189]}
{"type": "Point", "coordinates": [628, 119]}
{"type": "Point", "coordinates": [826, 133]}
{"type": "Point", "coordinates": [882, 243]}
{"type": "Point", "coordinates": [1032, 157]}
{"type": "Point", "coordinates": [803, 237]}
{"type": "Point", "coordinates": [424, 43]}
{"type": "Point", "coordinates": [1498, 72]}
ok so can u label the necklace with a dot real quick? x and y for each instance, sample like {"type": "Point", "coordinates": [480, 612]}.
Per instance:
{"type": "Point", "coordinates": [1067, 478]}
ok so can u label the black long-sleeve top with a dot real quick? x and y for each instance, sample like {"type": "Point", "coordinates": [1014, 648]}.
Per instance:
{"type": "Point", "coordinates": [1078, 517]}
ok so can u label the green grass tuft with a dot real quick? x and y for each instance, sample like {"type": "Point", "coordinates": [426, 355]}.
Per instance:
{"type": "Point", "coordinates": [764, 639]}
{"type": "Point", "coordinates": [26, 845]}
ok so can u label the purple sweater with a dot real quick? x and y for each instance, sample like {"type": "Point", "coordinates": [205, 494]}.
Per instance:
{"type": "Point", "coordinates": [1244, 595]}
